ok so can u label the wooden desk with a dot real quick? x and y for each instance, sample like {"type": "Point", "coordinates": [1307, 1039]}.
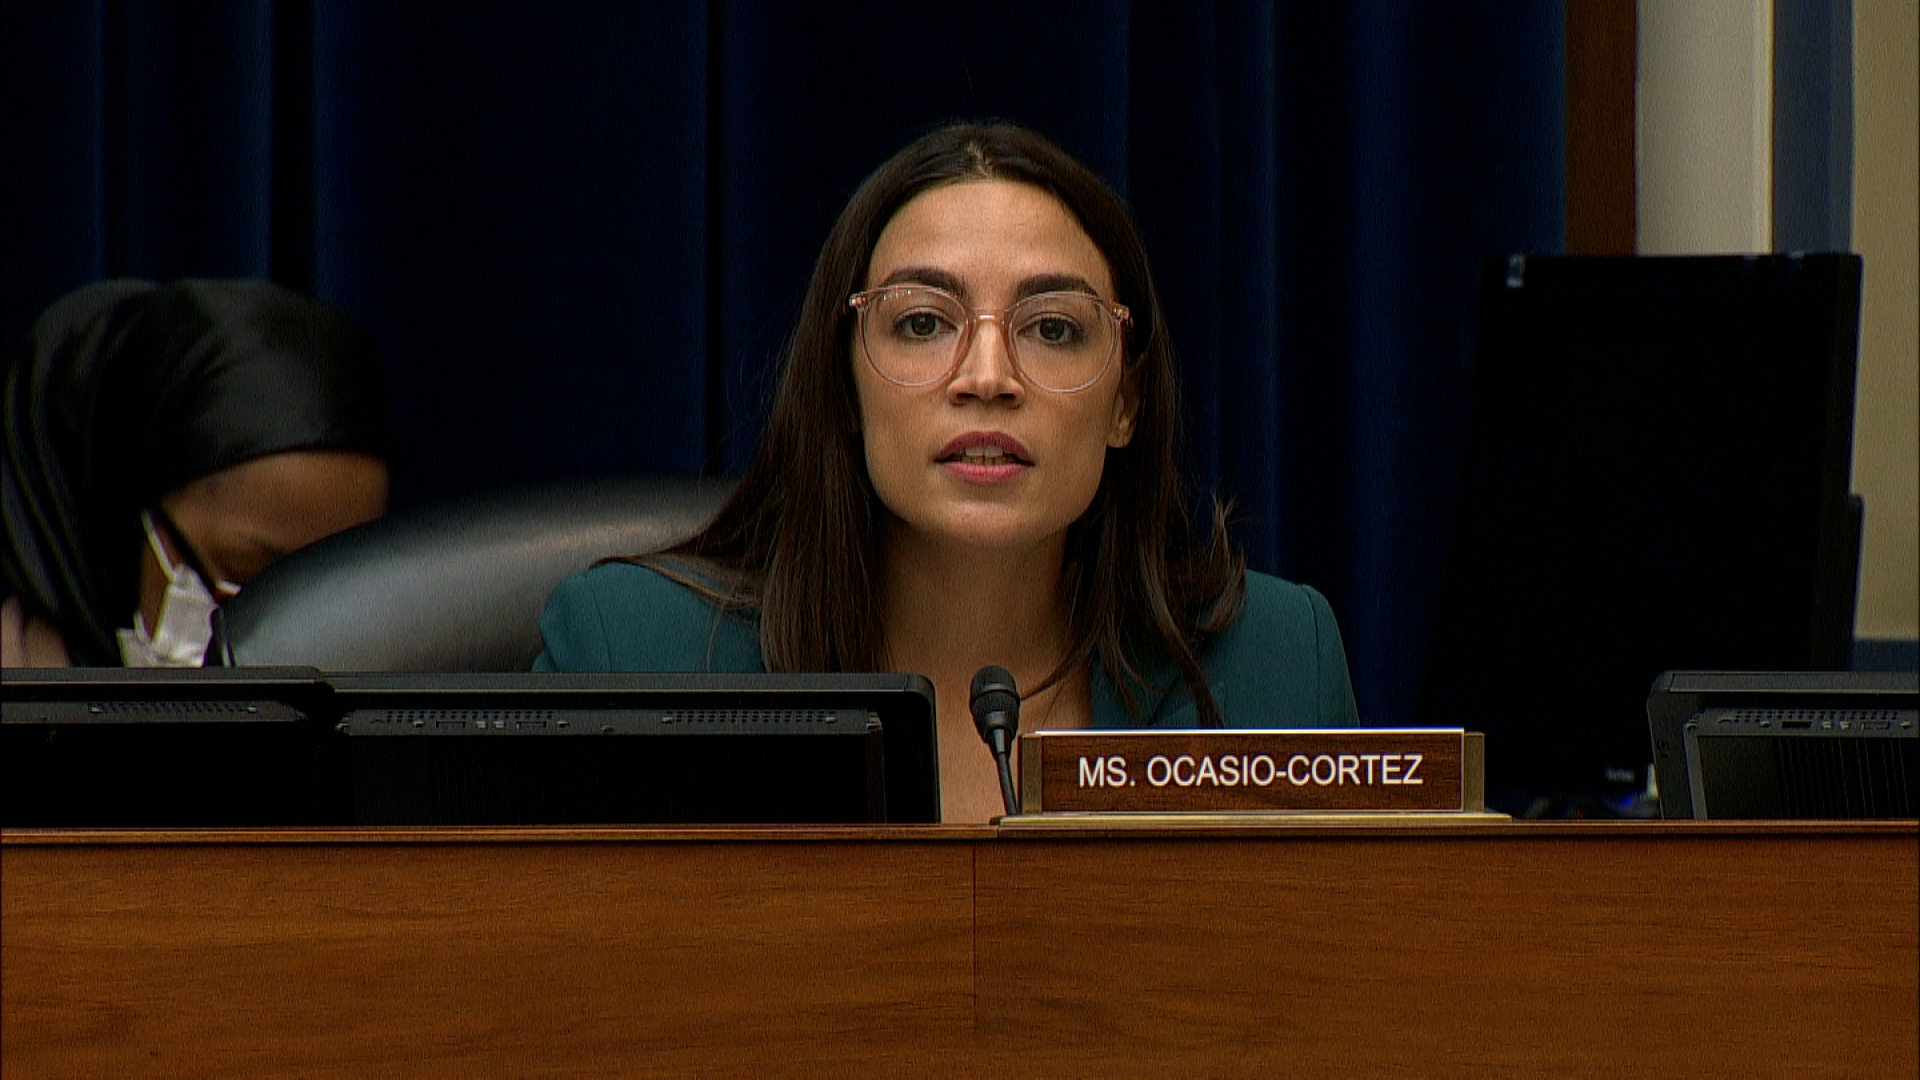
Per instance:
{"type": "Point", "coordinates": [1643, 949]}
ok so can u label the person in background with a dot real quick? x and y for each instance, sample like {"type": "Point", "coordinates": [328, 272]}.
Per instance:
{"type": "Point", "coordinates": [971, 460]}
{"type": "Point", "coordinates": [163, 445]}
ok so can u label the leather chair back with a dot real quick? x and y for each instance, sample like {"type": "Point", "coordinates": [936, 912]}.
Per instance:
{"type": "Point", "coordinates": [452, 587]}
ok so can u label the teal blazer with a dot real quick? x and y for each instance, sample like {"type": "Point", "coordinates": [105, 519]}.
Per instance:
{"type": "Point", "coordinates": [1282, 665]}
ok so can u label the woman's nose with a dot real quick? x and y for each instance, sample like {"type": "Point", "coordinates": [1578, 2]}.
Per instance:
{"type": "Point", "coordinates": [986, 370]}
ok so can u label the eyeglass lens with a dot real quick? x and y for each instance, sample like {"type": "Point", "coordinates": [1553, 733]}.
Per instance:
{"type": "Point", "coordinates": [1060, 341]}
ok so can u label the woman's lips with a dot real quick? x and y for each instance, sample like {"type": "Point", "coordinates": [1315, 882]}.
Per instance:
{"type": "Point", "coordinates": [979, 446]}
{"type": "Point", "coordinates": [985, 457]}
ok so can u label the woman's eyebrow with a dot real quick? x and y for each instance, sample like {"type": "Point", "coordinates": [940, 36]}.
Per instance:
{"type": "Point", "coordinates": [1046, 283]}
{"type": "Point", "coordinates": [1031, 286]}
{"type": "Point", "coordinates": [926, 275]}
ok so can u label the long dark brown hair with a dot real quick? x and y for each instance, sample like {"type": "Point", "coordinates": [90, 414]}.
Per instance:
{"type": "Point", "coordinates": [799, 539]}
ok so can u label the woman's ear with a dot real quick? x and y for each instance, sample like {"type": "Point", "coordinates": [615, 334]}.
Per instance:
{"type": "Point", "coordinates": [1126, 405]}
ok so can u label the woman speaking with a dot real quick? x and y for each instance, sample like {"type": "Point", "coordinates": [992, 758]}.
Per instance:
{"type": "Point", "coordinates": [970, 461]}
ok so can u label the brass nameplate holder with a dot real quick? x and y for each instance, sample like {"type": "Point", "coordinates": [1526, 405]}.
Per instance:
{"type": "Point", "coordinates": [1347, 770]}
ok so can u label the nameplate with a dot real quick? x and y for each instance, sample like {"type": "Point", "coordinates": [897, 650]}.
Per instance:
{"type": "Point", "coordinates": [1371, 770]}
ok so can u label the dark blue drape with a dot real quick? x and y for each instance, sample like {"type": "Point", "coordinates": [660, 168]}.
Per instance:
{"type": "Point", "coordinates": [580, 232]}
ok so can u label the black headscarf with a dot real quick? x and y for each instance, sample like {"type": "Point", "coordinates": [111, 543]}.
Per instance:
{"type": "Point", "coordinates": [126, 391]}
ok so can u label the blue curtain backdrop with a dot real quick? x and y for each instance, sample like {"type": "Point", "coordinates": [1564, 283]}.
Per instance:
{"type": "Point", "coordinates": [580, 232]}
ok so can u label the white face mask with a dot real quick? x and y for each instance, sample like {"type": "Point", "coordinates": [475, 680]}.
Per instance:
{"type": "Point", "coordinates": [186, 616]}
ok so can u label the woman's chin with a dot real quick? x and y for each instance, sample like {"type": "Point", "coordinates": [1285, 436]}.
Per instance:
{"type": "Point", "coordinates": [976, 530]}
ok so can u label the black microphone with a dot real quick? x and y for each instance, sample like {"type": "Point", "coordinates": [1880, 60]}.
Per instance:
{"type": "Point", "coordinates": [996, 712]}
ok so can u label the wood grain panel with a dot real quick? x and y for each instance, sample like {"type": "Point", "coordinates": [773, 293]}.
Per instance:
{"type": "Point", "coordinates": [1602, 187]}
{"type": "Point", "coordinates": [465, 960]}
{"type": "Point", "coordinates": [1637, 955]}
{"type": "Point", "coordinates": [1517, 949]}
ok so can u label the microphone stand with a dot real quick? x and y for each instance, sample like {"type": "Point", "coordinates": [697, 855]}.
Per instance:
{"type": "Point", "coordinates": [995, 703]}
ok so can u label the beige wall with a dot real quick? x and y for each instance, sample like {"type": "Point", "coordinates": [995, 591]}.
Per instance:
{"type": "Point", "coordinates": [1704, 93]}
{"type": "Point", "coordinates": [1704, 130]}
{"type": "Point", "coordinates": [1886, 220]}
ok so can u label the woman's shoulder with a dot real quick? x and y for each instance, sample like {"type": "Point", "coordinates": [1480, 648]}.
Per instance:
{"type": "Point", "coordinates": [1278, 619]}
{"type": "Point", "coordinates": [1276, 607]}
{"type": "Point", "coordinates": [1282, 663]}
{"type": "Point", "coordinates": [627, 585]}
{"type": "Point", "coordinates": [623, 616]}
